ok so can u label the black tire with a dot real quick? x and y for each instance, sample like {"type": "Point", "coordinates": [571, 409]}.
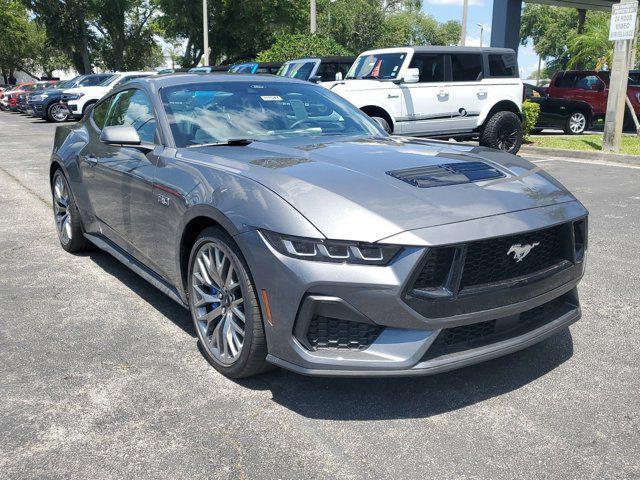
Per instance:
{"type": "Point", "coordinates": [503, 131]}
{"type": "Point", "coordinates": [72, 239]}
{"type": "Point", "coordinates": [383, 123]}
{"type": "Point", "coordinates": [86, 107]}
{"type": "Point", "coordinates": [252, 357]}
{"type": "Point", "coordinates": [576, 124]}
{"type": "Point", "coordinates": [52, 115]}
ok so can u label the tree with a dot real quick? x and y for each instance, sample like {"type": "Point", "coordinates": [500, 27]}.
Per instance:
{"type": "Point", "coordinates": [300, 45]}
{"type": "Point", "coordinates": [567, 38]}
{"type": "Point", "coordinates": [592, 49]}
{"type": "Point", "coordinates": [66, 27]}
{"type": "Point", "coordinates": [16, 45]}
{"type": "Point", "coordinates": [126, 35]}
{"type": "Point", "coordinates": [417, 28]}
{"type": "Point", "coordinates": [238, 29]}
{"type": "Point", "coordinates": [357, 24]}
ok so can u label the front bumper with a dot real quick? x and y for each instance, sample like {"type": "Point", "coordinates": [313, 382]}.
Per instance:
{"type": "Point", "coordinates": [73, 108]}
{"type": "Point", "coordinates": [407, 340]}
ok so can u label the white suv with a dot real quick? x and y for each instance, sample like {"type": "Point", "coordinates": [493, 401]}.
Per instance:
{"type": "Point", "coordinates": [78, 100]}
{"type": "Point", "coordinates": [447, 92]}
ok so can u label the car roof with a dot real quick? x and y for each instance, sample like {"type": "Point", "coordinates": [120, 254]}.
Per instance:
{"type": "Point", "coordinates": [170, 80]}
{"type": "Point", "coordinates": [329, 58]}
{"type": "Point", "coordinates": [441, 49]}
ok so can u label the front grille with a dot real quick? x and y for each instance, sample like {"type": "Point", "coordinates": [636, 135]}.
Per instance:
{"type": "Point", "coordinates": [494, 260]}
{"type": "Point", "coordinates": [489, 261]}
{"type": "Point", "coordinates": [333, 333]}
{"type": "Point", "coordinates": [455, 340]}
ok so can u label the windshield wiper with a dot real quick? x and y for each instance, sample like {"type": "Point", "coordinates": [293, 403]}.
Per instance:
{"type": "Point", "coordinates": [233, 142]}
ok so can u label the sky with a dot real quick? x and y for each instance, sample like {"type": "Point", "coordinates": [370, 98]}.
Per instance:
{"type": "Point", "coordinates": [479, 12]}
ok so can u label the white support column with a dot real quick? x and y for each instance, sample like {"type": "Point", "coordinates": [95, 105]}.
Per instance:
{"type": "Point", "coordinates": [622, 53]}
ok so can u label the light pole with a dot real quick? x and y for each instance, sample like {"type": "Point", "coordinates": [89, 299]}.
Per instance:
{"type": "Point", "coordinates": [481, 26]}
{"type": "Point", "coordinates": [312, 17]}
{"type": "Point", "coordinates": [463, 30]}
{"type": "Point", "coordinates": [205, 33]}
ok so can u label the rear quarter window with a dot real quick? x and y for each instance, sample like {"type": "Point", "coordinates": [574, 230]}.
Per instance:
{"type": "Point", "coordinates": [504, 65]}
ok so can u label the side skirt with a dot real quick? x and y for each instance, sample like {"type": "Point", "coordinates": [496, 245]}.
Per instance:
{"type": "Point", "coordinates": [145, 272]}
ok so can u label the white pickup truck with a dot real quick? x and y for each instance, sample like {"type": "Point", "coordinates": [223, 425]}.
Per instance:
{"type": "Point", "coordinates": [445, 92]}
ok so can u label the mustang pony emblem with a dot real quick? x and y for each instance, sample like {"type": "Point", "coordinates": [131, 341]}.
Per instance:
{"type": "Point", "coordinates": [520, 251]}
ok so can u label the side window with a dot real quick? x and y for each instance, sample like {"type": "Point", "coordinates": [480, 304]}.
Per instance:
{"type": "Point", "coordinates": [588, 82]}
{"type": "Point", "coordinates": [503, 65]}
{"type": "Point", "coordinates": [132, 107]}
{"type": "Point", "coordinates": [92, 80]}
{"type": "Point", "coordinates": [566, 81]}
{"type": "Point", "coordinates": [431, 67]}
{"type": "Point", "coordinates": [99, 112]}
{"type": "Point", "coordinates": [466, 67]}
{"type": "Point", "coordinates": [327, 71]}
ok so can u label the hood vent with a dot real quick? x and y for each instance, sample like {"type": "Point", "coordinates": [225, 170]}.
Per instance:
{"type": "Point", "coordinates": [447, 174]}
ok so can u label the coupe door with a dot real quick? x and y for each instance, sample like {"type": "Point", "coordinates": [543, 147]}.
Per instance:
{"type": "Point", "coordinates": [119, 180]}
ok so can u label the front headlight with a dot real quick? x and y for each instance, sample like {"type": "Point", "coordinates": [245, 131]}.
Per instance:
{"type": "Point", "coordinates": [336, 251]}
{"type": "Point", "coordinates": [74, 96]}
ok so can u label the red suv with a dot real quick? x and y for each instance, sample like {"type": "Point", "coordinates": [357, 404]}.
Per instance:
{"type": "Point", "coordinates": [591, 87]}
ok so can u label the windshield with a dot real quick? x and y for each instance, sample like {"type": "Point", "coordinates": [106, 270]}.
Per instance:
{"type": "Point", "coordinates": [107, 81]}
{"type": "Point", "coordinates": [66, 83]}
{"type": "Point", "coordinates": [299, 70]}
{"type": "Point", "coordinates": [218, 112]}
{"type": "Point", "coordinates": [383, 65]}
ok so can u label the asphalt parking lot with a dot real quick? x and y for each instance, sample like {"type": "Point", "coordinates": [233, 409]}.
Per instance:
{"type": "Point", "coordinates": [100, 376]}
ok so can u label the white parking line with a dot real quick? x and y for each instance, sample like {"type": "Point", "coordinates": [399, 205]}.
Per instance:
{"type": "Point", "coordinates": [587, 162]}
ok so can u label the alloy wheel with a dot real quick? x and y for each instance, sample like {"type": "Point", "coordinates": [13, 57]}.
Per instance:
{"type": "Point", "coordinates": [218, 303]}
{"type": "Point", "coordinates": [507, 139]}
{"type": "Point", "coordinates": [577, 122]}
{"type": "Point", "coordinates": [61, 209]}
{"type": "Point", "coordinates": [58, 113]}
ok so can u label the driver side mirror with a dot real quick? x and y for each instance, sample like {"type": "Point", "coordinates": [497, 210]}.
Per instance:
{"type": "Point", "coordinates": [315, 78]}
{"type": "Point", "coordinates": [120, 135]}
{"type": "Point", "coordinates": [411, 75]}
{"type": "Point", "coordinates": [124, 136]}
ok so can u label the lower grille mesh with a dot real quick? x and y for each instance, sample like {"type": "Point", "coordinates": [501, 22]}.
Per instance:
{"type": "Point", "coordinates": [325, 332]}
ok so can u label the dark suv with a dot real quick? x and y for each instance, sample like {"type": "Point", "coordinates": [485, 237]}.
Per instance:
{"type": "Point", "coordinates": [46, 103]}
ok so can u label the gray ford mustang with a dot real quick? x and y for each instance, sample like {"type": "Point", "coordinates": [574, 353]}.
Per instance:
{"type": "Point", "coordinates": [299, 234]}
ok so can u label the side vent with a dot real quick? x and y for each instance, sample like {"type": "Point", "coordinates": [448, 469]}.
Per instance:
{"type": "Point", "coordinates": [447, 174]}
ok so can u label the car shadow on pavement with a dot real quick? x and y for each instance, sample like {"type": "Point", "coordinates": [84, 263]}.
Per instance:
{"type": "Point", "coordinates": [412, 397]}
{"type": "Point", "coordinates": [144, 290]}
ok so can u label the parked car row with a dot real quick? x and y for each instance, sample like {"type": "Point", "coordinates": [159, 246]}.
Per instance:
{"type": "Point", "coordinates": [574, 99]}
{"type": "Point", "coordinates": [443, 92]}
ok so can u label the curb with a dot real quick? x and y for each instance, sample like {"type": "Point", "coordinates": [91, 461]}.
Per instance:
{"type": "Point", "coordinates": [583, 154]}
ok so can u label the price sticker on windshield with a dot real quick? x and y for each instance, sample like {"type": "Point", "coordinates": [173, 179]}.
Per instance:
{"type": "Point", "coordinates": [623, 21]}
{"type": "Point", "coordinates": [271, 98]}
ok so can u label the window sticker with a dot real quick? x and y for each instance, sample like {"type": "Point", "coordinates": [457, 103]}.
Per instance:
{"type": "Point", "coordinates": [271, 98]}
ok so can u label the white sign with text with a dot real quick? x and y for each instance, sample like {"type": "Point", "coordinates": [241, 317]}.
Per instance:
{"type": "Point", "coordinates": [623, 21]}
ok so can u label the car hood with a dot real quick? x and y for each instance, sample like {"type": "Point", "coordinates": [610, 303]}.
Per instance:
{"type": "Point", "coordinates": [342, 185]}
